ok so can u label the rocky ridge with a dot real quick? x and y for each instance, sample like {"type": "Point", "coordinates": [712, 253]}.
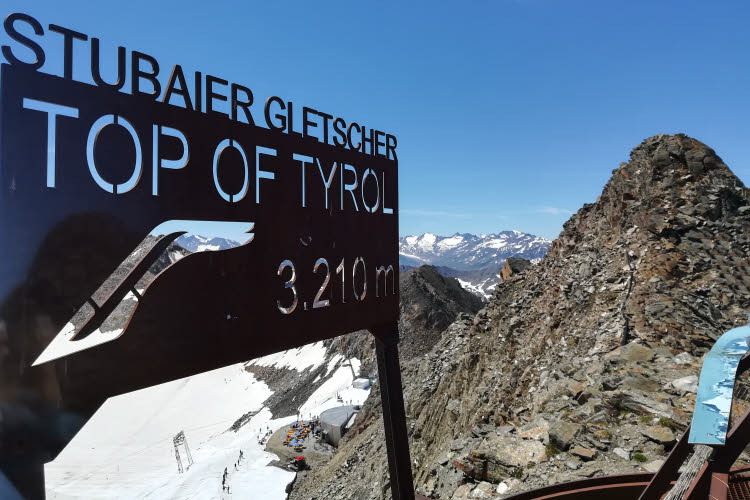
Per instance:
{"type": "Point", "coordinates": [585, 364]}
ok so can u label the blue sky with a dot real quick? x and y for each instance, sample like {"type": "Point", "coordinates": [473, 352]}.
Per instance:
{"type": "Point", "coordinates": [510, 114]}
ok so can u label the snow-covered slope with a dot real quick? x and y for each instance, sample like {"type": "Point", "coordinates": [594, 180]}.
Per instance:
{"type": "Point", "coordinates": [483, 288]}
{"type": "Point", "coordinates": [126, 449]}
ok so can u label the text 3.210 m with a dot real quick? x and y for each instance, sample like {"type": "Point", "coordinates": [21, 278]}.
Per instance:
{"type": "Point", "coordinates": [385, 283]}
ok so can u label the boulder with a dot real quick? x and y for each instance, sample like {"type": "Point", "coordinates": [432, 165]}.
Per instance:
{"type": "Point", "coordinates": [496, 456]}
{"type": "Point", "coordinates": [686, 384]}
{"type": "Point", "coordinates": [636, 352]}
{"type": "Point", "coordinates": [683, 358]}
{"type": "Point", "coordinates": [484, 491]}
{"type": "Point", "coordinates": [622, 453]}
{"type": "Point", "coordinates": [584, 454]}
{"type": "Point", "coordinates": [563, 433]}
{"type": "Point", "coordinates": [659, 434]}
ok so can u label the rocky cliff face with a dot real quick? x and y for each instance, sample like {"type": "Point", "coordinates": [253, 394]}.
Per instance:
{"type": "Point", "coordinates": [429, 303]}
{"type": "Point", "coordinates": [585, 364]}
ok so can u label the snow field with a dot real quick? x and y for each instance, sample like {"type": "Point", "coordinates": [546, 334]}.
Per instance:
{"type": "Point", "coordinates": [308, 356]}
{"type": "Point", "coordinates": [126, 449]}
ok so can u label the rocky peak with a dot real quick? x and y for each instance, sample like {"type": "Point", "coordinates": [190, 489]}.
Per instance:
{"type": "Point", "coordinates": [675, 218]}
{"type": "Point", "coordinates": [668, 179]}
{"type": "Point", "coordinates": [659, 263]}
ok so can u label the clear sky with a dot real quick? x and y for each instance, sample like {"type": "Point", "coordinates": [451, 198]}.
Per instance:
{"type": "Point", "coordinates": [510, 114]}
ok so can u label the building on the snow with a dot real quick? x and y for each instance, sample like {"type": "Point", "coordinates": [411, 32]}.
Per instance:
{"type": "Point", "coordinates": [361, 383]}
{"type": "Point", "coordinates": [335, 422]}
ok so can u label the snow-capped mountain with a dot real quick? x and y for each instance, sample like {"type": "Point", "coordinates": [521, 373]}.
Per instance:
{"type": "Point", "coordinates": [475, 260]}
{"type": "Point", "coordinates": [465, 252]}
{"type": "Point", "coordinates": [200, 244]}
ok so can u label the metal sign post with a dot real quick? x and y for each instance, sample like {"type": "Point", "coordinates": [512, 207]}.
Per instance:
{"type": "Point", "coordinates": [96, 183]}
{"type": "Point", "coordinates": [394, 416]}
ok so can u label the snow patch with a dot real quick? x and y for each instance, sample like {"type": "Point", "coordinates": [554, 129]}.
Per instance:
{"type": "Point", "coordinates": [308, 356]}
{"type": "Point", "coordinates": [495, 244]}
{"type": "Point", "coordinates": [207, 248]}
{"type": "Point", "coordinates": [451, 242]}
{"type": "Point", "coordinates": [332, 363]}
{"type": "Point", "coordinates": [475, 289]}
{"type": "Point", "coordinates": [427, 241]}
{"type": "Point", "coordinates": [338, 386]}
{"type": "Point", "coordinates": [126, 450]}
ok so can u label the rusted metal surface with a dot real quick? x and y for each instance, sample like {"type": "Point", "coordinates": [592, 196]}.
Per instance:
{"type": "Point", "coordinates": [739, 487]}
{"type": "Point", "coordinates": [617, 487]}
{"type": "Point", "coordinates": [719, 485]}
{"type": "Point", "coordinates": [630, 486]}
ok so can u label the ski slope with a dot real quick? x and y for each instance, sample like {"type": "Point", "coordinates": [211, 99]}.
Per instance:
{"type": "Point", "coordinates": [126, 449]}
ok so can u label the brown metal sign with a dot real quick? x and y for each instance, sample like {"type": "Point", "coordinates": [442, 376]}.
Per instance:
{"type": "Point", "coordinates": [89, 175]}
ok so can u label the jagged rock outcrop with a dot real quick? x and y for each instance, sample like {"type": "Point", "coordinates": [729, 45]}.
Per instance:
{"type": "Point", "coordinates": [591, 353]}
{"type": "Point", "coordinates": [513, 265]}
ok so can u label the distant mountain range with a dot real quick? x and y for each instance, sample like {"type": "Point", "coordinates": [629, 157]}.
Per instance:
{"type": "Point", "coordinates": [201, 244]}
{"type": "Point", "coordinates": [475, 260]}
{"type": "Point", "coordinates": [466, 252]}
